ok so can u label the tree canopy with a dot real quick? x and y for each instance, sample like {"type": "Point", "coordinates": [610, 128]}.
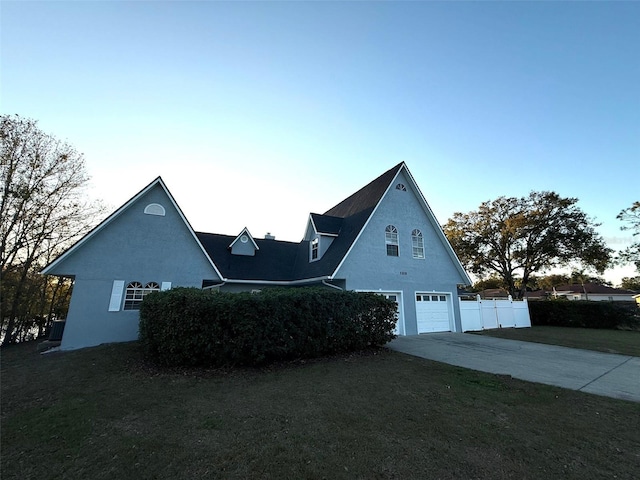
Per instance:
{"type": "Point", "coordinates": [43, 209]}
{"type": "Point", "coordinates": [631, 217]}
{"type": "Point", "coordinates": [515, 238]}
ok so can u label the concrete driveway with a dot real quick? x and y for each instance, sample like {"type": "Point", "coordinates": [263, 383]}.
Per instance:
{"type": "Point", "coordinates": [616, 376]}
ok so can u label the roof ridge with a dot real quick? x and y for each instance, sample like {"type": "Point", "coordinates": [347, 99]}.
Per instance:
{"type": "Point", "coordinates": [367, 197]}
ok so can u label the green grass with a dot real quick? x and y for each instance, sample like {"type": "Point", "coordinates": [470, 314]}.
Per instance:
{"type": "Point", "coordinates": [624, 342]}
{"type": "Point", "coordinates": [104, 413]}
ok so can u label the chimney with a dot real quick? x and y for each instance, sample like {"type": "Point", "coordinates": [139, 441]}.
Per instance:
{"type": "Point", "coordinates": [268, 236]}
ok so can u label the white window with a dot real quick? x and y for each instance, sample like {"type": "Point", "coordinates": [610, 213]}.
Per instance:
{"type": "Point", "coordinates": [314, 249]}
{"type": "Point", "coordinates": [391, 240]}
{"type": "Point", "coordinates": [135, 293]}
{"type": "Point", "coordinates": [417, 244]}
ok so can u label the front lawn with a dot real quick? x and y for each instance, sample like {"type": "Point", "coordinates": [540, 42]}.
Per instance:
{"type": "Point", "coordinates": [624, 342]}
{"type": "Point", "coordinates": [104, 413]}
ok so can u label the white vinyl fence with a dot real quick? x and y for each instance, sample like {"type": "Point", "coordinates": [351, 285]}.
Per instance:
{"type": "Point", "coordinates": [484, 314]}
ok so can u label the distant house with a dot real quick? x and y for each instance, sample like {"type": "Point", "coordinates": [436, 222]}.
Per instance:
{"type": "Point", "coordinates": [593, 292]}
{"type": "Point", "coordinates": [384, 238]}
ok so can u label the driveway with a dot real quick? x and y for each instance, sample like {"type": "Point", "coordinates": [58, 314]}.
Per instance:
{"type": "Point", "coordinates": [616, 376]}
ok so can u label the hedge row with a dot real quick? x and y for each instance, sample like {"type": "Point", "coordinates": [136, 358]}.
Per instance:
{"type": "Point", "coordinates": [189, 326]}
{"type": "Point", "coordinates": [585, 314]}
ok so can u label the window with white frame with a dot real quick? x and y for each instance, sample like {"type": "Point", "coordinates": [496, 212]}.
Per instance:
{"type": "Point", "coordinates": [391, 240]}
{"type": "Point", "coordinates": [136, 292]}
{"type": "Point", "coordinates": [314, 249]}
{"type": "Point", "coordinates": [417, 244]}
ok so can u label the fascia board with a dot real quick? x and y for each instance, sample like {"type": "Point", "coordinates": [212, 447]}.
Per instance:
{"type": "Point", "coordinates": [279, 282]}
{"type": "Point", "coordinates": [117, 213]}
{"type": "Point", "coordinates": [99, 227]}
{"type": "Point", "coordinates": [437, 225]}
{"type": "Point", "coordinates": [366, 223]}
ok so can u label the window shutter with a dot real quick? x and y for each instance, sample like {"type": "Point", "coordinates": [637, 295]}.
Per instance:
{"type": "Point", "coordinates": [116, 295]}
{"type": "Point", "coordinates": [165, 286]}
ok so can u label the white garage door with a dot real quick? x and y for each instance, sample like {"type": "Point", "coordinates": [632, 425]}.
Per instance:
{"type": "Point", "coordinates": [432, 312]}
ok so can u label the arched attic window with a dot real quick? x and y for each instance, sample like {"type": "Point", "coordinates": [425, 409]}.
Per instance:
{"type": "Point", "coordinates": [401, 187]}
{"type": "Point", "coordinates": [154, 209]}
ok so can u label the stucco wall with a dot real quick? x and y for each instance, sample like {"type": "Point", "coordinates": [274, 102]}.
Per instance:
{"type": "Point", "coordinates": [367, 267]}
{"type": "Point", "coordinates": [133, 247]}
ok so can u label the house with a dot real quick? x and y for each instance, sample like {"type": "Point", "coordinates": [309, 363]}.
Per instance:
{"type": "Point", "coordinates": [594, 292]}
{"type": "Point", "coordinates": [384, 238]}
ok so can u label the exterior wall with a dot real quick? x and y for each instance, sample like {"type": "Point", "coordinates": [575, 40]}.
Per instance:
{"type": "Point", "coordinates": [133, 247]}
{"type": "Point", "coordinates": [367, 267]}
{"type": "Point", "coordinates": [240, 248]}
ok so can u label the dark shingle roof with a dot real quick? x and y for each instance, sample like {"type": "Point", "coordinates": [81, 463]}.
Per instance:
{"type": "Point", "coordinates": [594, 288]}
{"type": "Point", "coordinates": [367, 197]}
{"type": "Point", "coordinates": [274, 261]}
{"type": "Point", "coordinates": [287, 261]}
{"type": "Point", "coordinates": [326, 224]}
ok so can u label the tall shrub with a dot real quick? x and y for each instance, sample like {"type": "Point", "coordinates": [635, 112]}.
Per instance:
{"type": "Point", "coordinates": [186, 326]}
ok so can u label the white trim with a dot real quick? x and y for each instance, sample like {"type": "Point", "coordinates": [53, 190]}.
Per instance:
{"type": "Point", "coordinates": [437, 227]}
{"type": "Point", "coordinates": [373, 212]}
{"type": "Point", "coordinates": [117, 213]}
{"type": "Point", "coordinates": [277, 282]}
{"type": "Point", "coordinates": [116, 295]}
{"type": "Point", "coordinates": [245, 231]}
{"type": "Point", "coordinates": [154, 209]}
{"type": "Point", "coordinates": [430, 216]}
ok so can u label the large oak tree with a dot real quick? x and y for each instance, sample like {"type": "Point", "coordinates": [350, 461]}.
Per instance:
{"type": "Point", "coordinates": [43, 208]}
{"type": "Point", "coordinates": [515, 238]}
{"type": "Point", "coordinates": [631, 217]}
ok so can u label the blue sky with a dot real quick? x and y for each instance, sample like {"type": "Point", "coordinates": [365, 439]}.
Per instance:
{"type": "Point", "coordinates": [257, 113]}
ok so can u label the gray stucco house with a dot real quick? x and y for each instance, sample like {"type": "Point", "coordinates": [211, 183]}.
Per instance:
{"type": "Point", "coordinates": [384, 238]}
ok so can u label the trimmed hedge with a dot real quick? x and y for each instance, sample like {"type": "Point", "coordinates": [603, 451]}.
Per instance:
{"type": "Point", "coordinates": [189, 326]}
{"type": "Point", "coordinates": [584, 314]}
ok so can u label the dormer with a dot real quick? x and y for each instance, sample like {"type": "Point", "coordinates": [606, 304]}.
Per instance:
{"type": "Point", "coordinates": [321, 232]}
{"type": "Point", "coordinates": [244, 244]}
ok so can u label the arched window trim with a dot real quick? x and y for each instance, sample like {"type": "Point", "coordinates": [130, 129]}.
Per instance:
{"type": "Point", "coordinates": [135, 293]}
{"type": "Point", "coordinates": [154, 209]}
{"type": "Point", "coordinates": [417, 244]}
{"type": "Point", "coordinates": [391, 240]}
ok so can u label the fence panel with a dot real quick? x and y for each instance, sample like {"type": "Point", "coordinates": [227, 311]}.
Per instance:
{"type": "Point", "coordinates": [487, 314]}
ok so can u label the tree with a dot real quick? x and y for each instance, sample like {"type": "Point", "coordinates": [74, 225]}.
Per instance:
{"type": "Point", "coordinates": [547, 282]}
{"type": "Point", "coordinates": [518, 237]}
{"type": "Point", "coordinates": [631, 216]}
{"type": "Point", "coordinates": [43, 209]}
{"type": "Point", "coordinates": [631, 283]}
{"type": "Point", "coordinates": [490, 283]}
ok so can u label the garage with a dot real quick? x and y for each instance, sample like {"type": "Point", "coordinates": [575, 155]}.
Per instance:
{"type": "Point", "coordinates": [433, 312]}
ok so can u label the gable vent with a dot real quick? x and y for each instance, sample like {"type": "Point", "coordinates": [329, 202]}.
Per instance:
{"type": "Point", "coordinates": [154, 209]}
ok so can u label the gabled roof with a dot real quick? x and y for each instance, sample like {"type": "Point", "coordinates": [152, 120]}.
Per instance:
{"type": "Point", "coordinates": [158, 181]}
{"type": "Point", "coordinates": [245, 231]}
{"type": "Point", "coordinates": [367, 198]}
{"type": "Point", "coordinates": [273, 263]}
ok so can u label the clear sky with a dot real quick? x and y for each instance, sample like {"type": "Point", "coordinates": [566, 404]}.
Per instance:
{"type": "Point", "coordinates": [257, 113]}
